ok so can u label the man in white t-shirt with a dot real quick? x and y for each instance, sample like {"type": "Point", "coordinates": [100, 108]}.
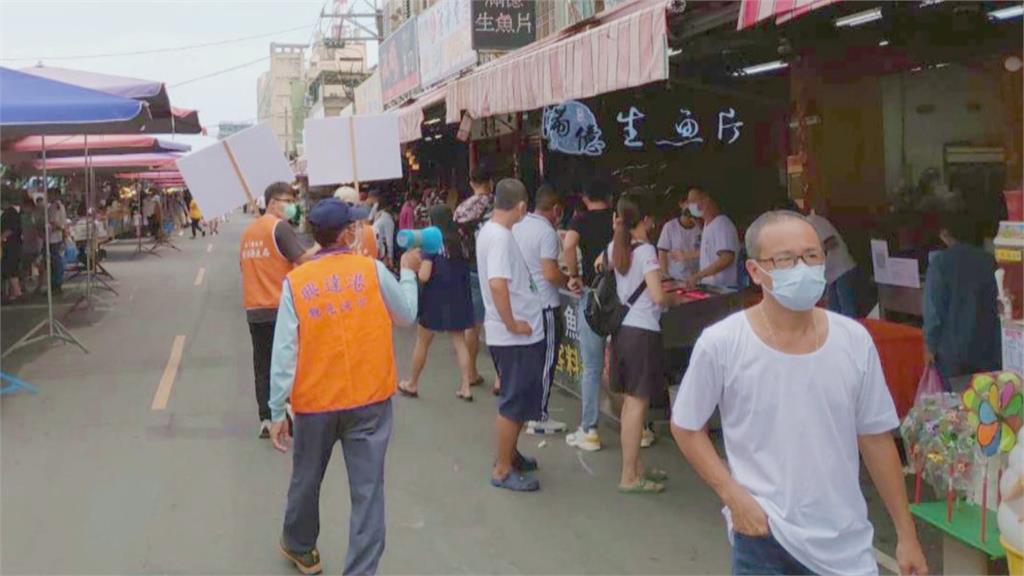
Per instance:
{"type": "Point", "coordinates": [539, 243]}
{"type": "Point", "coordinates": [840, 267]}
{"type": "Point", "coordinates": [514, 325]}
{"type": "Point", "coordinates": [679, 244]}
{"type": "Point", "coordinates": [719, 242]}
{"type": "Point", "coordinates": [801, 395]}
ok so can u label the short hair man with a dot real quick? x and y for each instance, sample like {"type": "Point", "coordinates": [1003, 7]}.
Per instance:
{"type": "Point", "coordinates": [269, 250]}
{"type": "Point", "coordinates": [679, 244]}
{"type": "Point", "coordinates": [470, 215]}
{"type": "Point", "coordinates": [333, 355]}
{"type": "Point", "coordinates": [540, 246]}
{"type": "Point", "coordinates": [719, 242]}
{"type": "Point", "coordinates": [515, 333]}
{"type": "Point", "coordinates": [794, 384]}
{"type": "Point", "coordinates": [366, 241]}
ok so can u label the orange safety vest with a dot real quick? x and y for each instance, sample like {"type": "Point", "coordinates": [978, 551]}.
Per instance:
{"type": "Point", "coordinates": [368, 241]}
{"type": "Point", "coordinates": [263, 265]}
{"type": "Point", "coordinates": [346, 358]}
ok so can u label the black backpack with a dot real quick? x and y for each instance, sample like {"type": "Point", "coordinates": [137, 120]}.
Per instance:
{"type": "Point", "coordinates": [604, 311]}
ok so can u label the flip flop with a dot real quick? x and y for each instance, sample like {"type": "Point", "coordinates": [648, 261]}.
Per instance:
{"type": "Point", "coordinates": [656, 475]}
{"type": "Point", "coordinates": [516, 483]}
{"type": "Point", "coordinates": [464, 398]}
{"type": "Point", "coordinates": [642, 486]}
{"type": "Point", "coordinates": [407, 393]}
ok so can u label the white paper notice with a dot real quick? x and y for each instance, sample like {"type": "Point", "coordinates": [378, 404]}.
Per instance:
{"type": "Point", "coordinates": [904, 272]}
{"type": "Point", "coordinates": [880, 261]}
{"type": "Point", "coordinates": [329, 152]}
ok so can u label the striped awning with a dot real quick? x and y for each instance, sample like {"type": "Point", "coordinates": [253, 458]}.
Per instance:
{"type": "Point", "coordinates": [410, 115]}
{"type": "Point", "coordinates": [754, 11]}
{"type": "Point", "coordinates": [622, 47]}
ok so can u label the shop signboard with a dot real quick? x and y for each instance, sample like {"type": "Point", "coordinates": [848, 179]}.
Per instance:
{"type": "Point", "coordinates": [445, 33]}
{"type": "Point", "coordinates": [569, 363]}
{"type": "Point", "coordinates": [504, 24]}
{"type": "Point", "coordinates": [399, 64]}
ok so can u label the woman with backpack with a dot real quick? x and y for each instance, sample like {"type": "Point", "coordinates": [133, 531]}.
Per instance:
{"type": "Point", "coordinates": [635, 364]}
{"type": "Point", "coordinates": [445, 305]}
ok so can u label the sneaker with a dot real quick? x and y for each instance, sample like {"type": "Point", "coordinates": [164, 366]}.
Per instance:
{"type": "Point", "coordinates": [306, 562]}
{"type": "Point", "coordinates": [542, 427]}
{"type": "Point", "coordinates": [587, 440]}
{"type": "Point", "coordinates": [647, 436]}
{"type": "Point", "coordinates": [265, 429]}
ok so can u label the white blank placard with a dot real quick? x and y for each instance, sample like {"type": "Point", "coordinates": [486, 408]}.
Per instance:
{"type": "Point", "coordinates": [211, 179]}
{"type": "Point", "coordinates": [260, 158]}
{"type": "Point", "coordinates": [328, 149]}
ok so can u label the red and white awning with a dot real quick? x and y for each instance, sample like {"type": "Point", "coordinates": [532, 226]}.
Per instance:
{"type": "Point", "coordinates": [754, 11]}
{"type": "Point", "coordinates": [410, 116]}
{"type": "Point", "coordinates": [623, 47]}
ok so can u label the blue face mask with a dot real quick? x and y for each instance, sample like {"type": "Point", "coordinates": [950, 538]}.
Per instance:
{"type": "Point", "coordinates": [799, 288]}
{"type": "Point", "coordinates": [695, 210]}
{"type": "Point", "coordinates": [291, 211]}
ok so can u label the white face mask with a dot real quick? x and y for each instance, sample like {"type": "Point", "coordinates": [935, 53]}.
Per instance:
{"type": "Point", "coordinates": [798, 288]}
{"type": "Point", "coordinates": [695, 210]}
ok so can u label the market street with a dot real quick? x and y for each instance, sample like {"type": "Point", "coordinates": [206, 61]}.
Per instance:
{"type": "Point", "coordinates": [97, 481]}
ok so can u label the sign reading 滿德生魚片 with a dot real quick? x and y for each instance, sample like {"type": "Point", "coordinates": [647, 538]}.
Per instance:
{"type": "Point", "coordinates": [504, 24]}
{"type": "Point", "coordinates": [399, 63]}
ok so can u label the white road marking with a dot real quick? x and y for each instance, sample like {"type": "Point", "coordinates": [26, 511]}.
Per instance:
{"type": "Point", "coordinates": [200, 275]}
{"type": "Point", "coordinates": [209, 248]}
{"type": "Point", "coordinates": [163, 391]}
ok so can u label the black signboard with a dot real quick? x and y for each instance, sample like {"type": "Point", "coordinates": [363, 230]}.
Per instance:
{"type": "Point", "coordinates": [504, 24]}
{"type": "Point", "coordinates": [399, 63]}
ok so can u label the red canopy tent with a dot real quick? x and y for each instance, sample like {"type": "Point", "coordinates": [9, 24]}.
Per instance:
{"type": "Point", "coordinates": [30, 147]}
{"type": "Point", "coordinates": [146, 161]}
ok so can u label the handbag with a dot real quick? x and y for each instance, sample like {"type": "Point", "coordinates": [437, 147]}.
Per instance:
{"type": "Point", "coordinates": [604, 311]}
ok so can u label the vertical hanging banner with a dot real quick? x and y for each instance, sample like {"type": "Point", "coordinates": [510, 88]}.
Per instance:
{"type": "Point", "coordinates": [445, 36]}
{"type": "Point", "coordinates": [504, 24]}
{"type": "Point", "coordinates": [361, 148]}
{"type": "Point", "coordinates": [399, 63]}
{"type": "Point", "coordinates": [224, 176]}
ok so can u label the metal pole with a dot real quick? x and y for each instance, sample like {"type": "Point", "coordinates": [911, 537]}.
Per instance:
{"type": "Point", "coordinates": [49, 251]}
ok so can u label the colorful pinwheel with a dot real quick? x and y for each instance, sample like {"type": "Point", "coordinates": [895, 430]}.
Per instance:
{"type": "Point", "coordinates": [995, 409]}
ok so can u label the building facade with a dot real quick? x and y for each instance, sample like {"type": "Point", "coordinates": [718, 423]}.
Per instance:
{"type": "Point", "coordinates": [275, 92]}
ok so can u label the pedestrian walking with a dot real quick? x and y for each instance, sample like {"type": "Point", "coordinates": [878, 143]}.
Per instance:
{"type": "Point", "coordinates": [540, 246]}
{"type": "Point", "coordinates": [407, 215]}
{"type": "Point", "coordinates": [333, 356]}
{"type": "Point", "coordinates": [590, 231]}
{"type": "Point", "coordinates": [794, 384]}
{"type": "Point", "coordinates": [58, 220]}
{"type": "Point", "coordinates": [471, 215]}
{"type": "Point", "coordinates": [196, 217]}
{"type": "Point", "coordinates": [11, 233]}
{"type": "Point", "coordinates": [383, 228]}
{"type": "Point", "coordinates": [445, 305]}
{"type": "Point", "coordinates": [269, 250]}
{"type": "Point", "coordinates": [515, 334]}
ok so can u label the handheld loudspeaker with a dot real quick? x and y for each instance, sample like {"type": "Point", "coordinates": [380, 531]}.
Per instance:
{"type": "Point", "coordinates": [428, 239]}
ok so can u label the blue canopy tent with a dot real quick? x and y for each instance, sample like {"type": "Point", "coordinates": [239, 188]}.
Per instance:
{"type": "Point", "coordinates": [30, 105]}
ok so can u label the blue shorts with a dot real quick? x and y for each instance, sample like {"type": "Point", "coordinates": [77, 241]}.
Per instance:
{"type": "Point", "coordinates": [477, 297]}
{"type": "Point", "coordinates": [521, 370]}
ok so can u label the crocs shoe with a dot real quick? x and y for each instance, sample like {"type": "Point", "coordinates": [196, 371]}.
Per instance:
{"type": "Point", "coordinates": [524, 463]}
{"type": "Point", "coordinates": [516, 482]}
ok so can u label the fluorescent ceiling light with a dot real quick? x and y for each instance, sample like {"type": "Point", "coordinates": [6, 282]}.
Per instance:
{"type": "Point", "coordinates": [859, 18]}
{"type": "Point", "coordinates": [432, 121]}
{"type": "Point", "coordinates": [1007, 13]}
{"type": "Point", "coordinates": [761, 68]}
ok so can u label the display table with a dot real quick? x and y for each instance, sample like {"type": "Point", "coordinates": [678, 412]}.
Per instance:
{"type": "Point", "coordinates": [963, 552]}
{"type": "Point", "coordinates": [901, 352]}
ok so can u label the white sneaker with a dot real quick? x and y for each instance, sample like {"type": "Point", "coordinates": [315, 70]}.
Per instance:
{"type": "Point", "coordinates": [647, 437]}
{"type": "Point", "coordinates": [542, 427]}
{"type": "Point", "coordinates": [265, 429]}
{"type": "Point", "coordinates": [586, 440]}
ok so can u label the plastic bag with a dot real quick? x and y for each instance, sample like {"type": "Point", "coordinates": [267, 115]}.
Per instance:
{"type": "Point", "coordinates": [70, 252]}
{"type": "Point", "coordinates": [929, 384]}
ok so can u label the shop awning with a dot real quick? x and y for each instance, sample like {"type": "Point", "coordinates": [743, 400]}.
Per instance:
{"type": "Point", "coordinates": [116, 162]}
{"type": "Point", "coordinates": [620, 48]}
{"type": "Point", "coordinates": [410, 115]}
{"type": "Point", "coordinates": [76, 145]}
{"type": "Point", "coordinates": [754, 11]}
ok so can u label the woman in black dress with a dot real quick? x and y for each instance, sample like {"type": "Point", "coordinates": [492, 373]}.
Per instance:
{"type": "Point", "coordinates": [445, 304]}
{"type": "Point", "coordinates": [10, 231]}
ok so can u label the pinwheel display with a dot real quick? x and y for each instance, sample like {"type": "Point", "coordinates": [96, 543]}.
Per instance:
{"type": "Point", "coordinates": [995, 407]}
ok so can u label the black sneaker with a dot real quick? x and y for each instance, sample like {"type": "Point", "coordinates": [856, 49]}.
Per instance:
{"type": "Point", "coordinates": [306, 562]}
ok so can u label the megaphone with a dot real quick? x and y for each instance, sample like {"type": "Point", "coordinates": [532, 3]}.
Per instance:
{"type": "Point", "coordinates": [429, 239]}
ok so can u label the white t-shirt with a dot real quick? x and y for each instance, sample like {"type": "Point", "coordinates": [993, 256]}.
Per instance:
{"type": "Point", "coordinates": [719, 236]}
{"type": "Point", "coordinates": [791, 424]}
{"type": "Point", "coordinates": [644, 313]}
{"type": "Point", "coordinates": [498, 256]}
{"type": "Point", "coordinates": [384, 230]}
{"type": "Point", "coordinates": [538, 241]}
{"type": "Point", "coordinates": [675, 237]}
{"type": "Point", "coordinates": [838, 261]}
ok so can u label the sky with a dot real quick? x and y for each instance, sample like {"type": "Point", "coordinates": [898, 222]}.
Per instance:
{"type": "Point", "coordinates": [39, 30]}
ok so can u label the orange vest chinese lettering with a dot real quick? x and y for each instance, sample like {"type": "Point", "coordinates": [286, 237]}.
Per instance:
{"type": "Point", "coordinates": [263, 265]}
{"type": "Point", "coordinates": [346, 357]}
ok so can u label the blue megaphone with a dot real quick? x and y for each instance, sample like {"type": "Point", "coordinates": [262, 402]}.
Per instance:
{"type": "Point", "coordinates": [429, 239]}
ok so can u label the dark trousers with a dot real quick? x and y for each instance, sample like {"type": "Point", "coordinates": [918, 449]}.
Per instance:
{"type": "Point", "coordinates": [262, 349]}
{"type": "Point", "coordinates": [364, 433]}
{"type": "Point", "coordinates": [763, 555]}
{"type": "Point", "coordinates": [197, 226]}
{"type": "Point", "coordinates": [56, 264]}
{"type": "Point", "coordinates": [552, 339]}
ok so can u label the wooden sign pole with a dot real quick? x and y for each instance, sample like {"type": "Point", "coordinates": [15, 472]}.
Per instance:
{"type": "Point", "coordinates": [238, 173]}
{"type": "Point", "coordinates": [352, 147]}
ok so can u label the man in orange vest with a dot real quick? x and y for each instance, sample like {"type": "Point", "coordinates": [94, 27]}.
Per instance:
{"type": "Point", "coordinates": [270, 249]}
{"type": "Point", "coordinates": [333, 355]}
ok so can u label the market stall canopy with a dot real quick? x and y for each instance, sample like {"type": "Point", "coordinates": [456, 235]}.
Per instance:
{"type": "Point", "coordinates": [159, 175]}
{"type": "Point", "coordinates": [32, 104]}
{"type": "Point", "coordinates": [150, 161]}
{"type": "Point", "coordinates": [30, 147]}
{"type": "Point", "coordinates": [166, 118]}
{"type": "Point", "coordinates": [622, 47]}
{"type": "Point", "coordinates": [754, 11]}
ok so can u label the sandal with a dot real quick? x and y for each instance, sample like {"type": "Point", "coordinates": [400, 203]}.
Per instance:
{"type": "Point", "coordinates": [642, 486]}
{"type": "Point", "coordinates": [478, 382]}
{"type": "Point", "coordinates": [406, 392]}
{"type": "Point", "coordinates": [655, 475]}
{"type": "Point", "coordinates": [464, 397]}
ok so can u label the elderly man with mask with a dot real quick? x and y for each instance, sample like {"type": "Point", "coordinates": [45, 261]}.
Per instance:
{"type": "Point", "coordinates": [794, 385]}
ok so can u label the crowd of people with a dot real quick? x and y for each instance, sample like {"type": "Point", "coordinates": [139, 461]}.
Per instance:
{"type": "Point", "coordinates": [321, 323]}
{"type": "Point", "coordinates": [23, 230]}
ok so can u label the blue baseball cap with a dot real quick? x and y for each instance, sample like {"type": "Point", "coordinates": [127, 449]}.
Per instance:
{"type": "Point", "coordinates": [336, 214]}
